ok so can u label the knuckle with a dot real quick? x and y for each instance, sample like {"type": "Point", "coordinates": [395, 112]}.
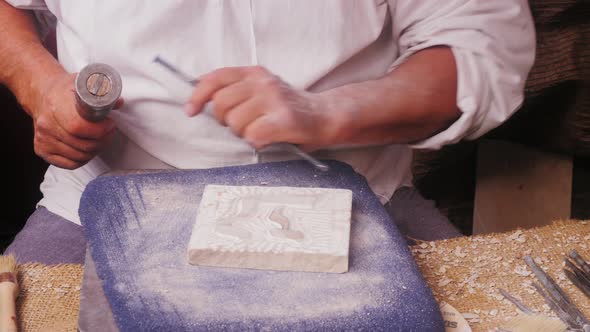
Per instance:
{"type": "Point", "coordinates": [234, 124]}
{"type": "Point", "coordinates": [38, 137]}
{"type": "Point", "coordinates": [207, 80]}
{"type": "Point", "coordinates": [75, 127]}
{"type": "Point", "coordinates": [249, 135]}
{"type": "Point", "coordinates": [50, 105]}
{"type": "Point", "coordinates": [259, 71]}
{"type": "Point", "coordinates": [275, 103]}
{"type": "Point", "coordinates": [81, 129]}
{"type": "Point", "coordinates": [213, 77]}
{"type": "Point", "coordinates": [283, 121]}
{"type": "Point", "coordinates": [219, 102]}
{"type": "Point", "coordinates": [215, 73]}
{"type": "Point", "coordinates": [38, 150]}
{"type": "Point", "coordinates": [42, 122]}
{"type": "Point", "coordinates": [253, 135]}
{"type": "Point", "coordinates": [219, 114]}
{"type": "Point", "coordinates": [270, 83]}
{"type": "Point", "coordinates": [39, 146]}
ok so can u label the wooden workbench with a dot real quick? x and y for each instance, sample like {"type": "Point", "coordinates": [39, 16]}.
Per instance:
{"type": "Point", "coordinates": [465, 272]}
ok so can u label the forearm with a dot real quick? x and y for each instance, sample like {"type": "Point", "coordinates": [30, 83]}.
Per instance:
{"type": "Point", "coordinates": [25, 65]}
{"type": "Point", "coordinates": [413, 102]}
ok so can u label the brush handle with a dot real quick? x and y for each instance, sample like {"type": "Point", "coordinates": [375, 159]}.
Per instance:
{"type": "Point", "coordinates": [8, 292]}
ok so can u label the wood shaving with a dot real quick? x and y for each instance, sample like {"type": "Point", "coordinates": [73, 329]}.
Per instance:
{"type": "Point", "coordinates": [522, 270]}
{"type": "Point", "coordinates": [467, 272]}
{"type": "Point", "coordinates": [445, 282]}
{"type": "Point", "coordinates": [458, 252]}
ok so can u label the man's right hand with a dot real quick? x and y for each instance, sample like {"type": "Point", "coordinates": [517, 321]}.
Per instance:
{"type": "Point", "coordinates": [46, 92]}
{"type": "Point", "coordinates": [62, 137]}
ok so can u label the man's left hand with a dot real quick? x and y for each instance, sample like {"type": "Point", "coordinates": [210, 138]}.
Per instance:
{"type": "Point", "coordinates": [259, 107]}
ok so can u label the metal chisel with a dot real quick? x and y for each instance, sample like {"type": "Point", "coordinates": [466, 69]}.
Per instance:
{"type": "Point", "coordinates": [292, 148]}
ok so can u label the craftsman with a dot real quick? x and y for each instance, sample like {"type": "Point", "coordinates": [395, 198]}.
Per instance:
{"type": "Point", "coordinates": [361, 81]}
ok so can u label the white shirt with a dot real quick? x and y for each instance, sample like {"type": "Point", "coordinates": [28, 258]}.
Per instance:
{"type": "Point", "coordinates": [311, 44]}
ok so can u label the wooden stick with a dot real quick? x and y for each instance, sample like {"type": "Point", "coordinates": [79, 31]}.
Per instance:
{"type": "Point", "coordinates": [8, 292]}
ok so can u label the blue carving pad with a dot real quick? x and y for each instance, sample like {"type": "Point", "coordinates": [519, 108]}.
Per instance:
{"type": "Point", "coordinates": [138, 228]}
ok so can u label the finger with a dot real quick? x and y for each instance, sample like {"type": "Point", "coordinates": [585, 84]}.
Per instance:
{"type": "Point", "coordinates": [84, 129]}
{"type": "Point", "coordinates": [211, 83]}
{"type": "Point", "coordinates": [59, 154]}
{"type": "Point", "coordinates": [47, 130]}
{"type": "Point", "coordinates": [63, 162]}
{"type": "Point", "coordinates": [83, 144]}
{"type": "Point", "coordinates": [74, 124]}
{"type": "Point", "coordinates": [229, 97]}
{"type": "Point", "coordinates": [238, 118]}
{"type": "Point", "coordinates": [89, 145]}
{"type": "Point", "coordinates": [264, 131]}
{"type": "Point", "coordinates": [58, 148]}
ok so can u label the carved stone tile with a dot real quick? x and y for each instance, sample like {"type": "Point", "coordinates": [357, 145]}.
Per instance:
{"type": "Point", "coordinates": [275, 228]}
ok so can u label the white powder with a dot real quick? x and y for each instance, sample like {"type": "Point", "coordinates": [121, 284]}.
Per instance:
{"type": "Point", "coordinates": [155, 243]}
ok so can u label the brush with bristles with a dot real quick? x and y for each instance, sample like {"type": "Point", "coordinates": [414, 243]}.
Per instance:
{"type": "Point", "coordinates": [528, 320]}
{"type": "Point", "coordinates": [8, 293]}
{"type": "Point", "coordinates": [534, 323]}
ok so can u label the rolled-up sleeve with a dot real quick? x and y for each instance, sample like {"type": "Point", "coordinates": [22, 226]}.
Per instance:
{"type": "Point", "coordinates": [28, 4]}
{"type": "Point", "coordinates": [45, 20]}
{"type": "Point", "coordinates": [494, 47]}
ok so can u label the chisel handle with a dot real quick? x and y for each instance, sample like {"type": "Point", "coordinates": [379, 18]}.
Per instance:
{"type": "Point", "coordinates": [8, 293]}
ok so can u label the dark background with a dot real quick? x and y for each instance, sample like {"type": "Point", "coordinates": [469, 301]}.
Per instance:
{"type": "Point", "coordinates": [22, 171]}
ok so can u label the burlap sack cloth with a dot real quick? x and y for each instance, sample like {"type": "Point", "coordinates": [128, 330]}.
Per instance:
{"type": "Point", "coordinates": [465, 272]}
{"type": "Point", "coordinates": [49, 297]}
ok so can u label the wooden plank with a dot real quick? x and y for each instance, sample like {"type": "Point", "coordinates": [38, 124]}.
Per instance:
{"type": "Point", "coordinates": [519, 186]}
